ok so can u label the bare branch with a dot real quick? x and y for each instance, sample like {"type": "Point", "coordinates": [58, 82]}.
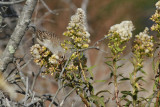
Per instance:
{"type": "Point", "coordinates": [150, 100]}
{"type": "Point", "coordinates": [12, 2]}
{"type": "Point", "coordinates": [63, 69]}
{"type": "Point", "coordinates": [34, 80]}
{"type": "Point", "coordinates": [45, 5]}
{"type": "Point", "coordinates": [71, 4]}
{"type": "Point", "coordinates": [61, 104]}
{"type": "Point", "coordinates": [52, 102]}
{"type": "Point", "coordinates": [84, 7]}
{"type": "Point", "coordinates": [94, 45]}
{"type": "Point", "coordinates": [18, 33]}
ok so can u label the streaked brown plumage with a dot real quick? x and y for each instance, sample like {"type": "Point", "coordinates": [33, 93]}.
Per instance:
{"type": "Point", "coordinates": [49, 40]}
{"type": "Point", "coordinates": [41, 35]}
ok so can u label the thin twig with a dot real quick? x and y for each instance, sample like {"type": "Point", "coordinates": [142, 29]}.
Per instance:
{"type": "Point", "coordinates": [84, 7]}
{"type": "Point", "coordinates": [34, 81]}
{"type": "Point", "coordinates": [45, 5]}
{"type": "Point", "coordinates": [62, 102]}
{"type": "Point", "coordinates": [38, 96]}
{"type": "Point", "coordinates": [59, 80]}
{"type": "Point", "coordinates": [153, 96]}
{"type": "Point", "coordinates": [50, 105]}
{"type": "Point", "coordinates": [26, 92]}
{"type": "Point", "coordinates": [72, 5]}
{"type": "Point", "coordinates": [21, 74]}
{"type": "Point", "coordinates": [12, 2]}
{"type": "Point", "coordinates": [101, 40]}
{"type": "Point", "coordinates": [94, 45]}
{"type": "Point", "coordinates": [36, 13]}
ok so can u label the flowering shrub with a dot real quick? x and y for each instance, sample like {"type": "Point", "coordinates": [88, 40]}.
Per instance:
{"type": "Point", "coordinates": [45, 58]}
{"type": "Point", "coordinates": [77, 31]}
{"type": "Point", "coordinates": [124, 30]}
{"type": "Point", "coordinates": [72, 71]}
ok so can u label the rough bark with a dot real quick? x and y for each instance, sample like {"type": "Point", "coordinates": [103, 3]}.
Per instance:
{"type": "Point", "coordinates": [17, 34]}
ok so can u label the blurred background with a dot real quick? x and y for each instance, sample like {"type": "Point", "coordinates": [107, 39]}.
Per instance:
{"type": "Point", "coordinates": [54, 16]}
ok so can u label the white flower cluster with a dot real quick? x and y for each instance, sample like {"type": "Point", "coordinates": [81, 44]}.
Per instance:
{"type": "Point", "coordinates": [77, 30]}
{"type": "Point", "coordinates": [78, 19]}
{"type": "Point", "coordinates": [124, 29]}
{"type": "Point", "coordinates": [35, 51]}
{"type": "Point", "coordinates": [72, 67]}
{"type": "Point", "coordinates": [147, 42]}
{"type": "Point", "coordinates": [54, 59]}
{"type": "Point", "coordinates": [158, 5]}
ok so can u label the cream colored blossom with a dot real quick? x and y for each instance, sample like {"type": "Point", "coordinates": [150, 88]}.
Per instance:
{"type": "Point", "coordinates": [146, 50]}
{"type": "Point", "coordinates": [85, 46]}
{"type": "Point", "coordinates": [35, 51]}
{"type": "Point", "coordinates": [124, 29]}
{"type": "Point", "coordinates": [77, 31]}
{"type": "Point", "coordinates": [143, 36]}
{"type": "Point", "coordinates": [71, 67]}
{"type": "Point", "coordinates": [144, 42]}
{"type": "Point", "coordinates": [158, 5]}
{"type": "Point", "coordinates": [54, 59]}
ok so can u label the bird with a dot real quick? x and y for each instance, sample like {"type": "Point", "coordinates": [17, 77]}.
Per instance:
{"type": "Point", "coordinates": [50, 41]}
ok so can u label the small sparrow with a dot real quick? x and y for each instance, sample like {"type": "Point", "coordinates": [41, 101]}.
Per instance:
{"type": "Point", "coordinates": [50, 41]}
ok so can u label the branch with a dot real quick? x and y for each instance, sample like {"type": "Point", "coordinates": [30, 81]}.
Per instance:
{"type": "Point", "coordinates": [84, 7]}
{"type": "Point", "coordinates": [71, 4]}
{"type": "Point", "coordinates": [12, 2]}
{"type": "Point", "coordinates": [34, 80]}
{"type": "Point", "coordinates": [94, 45]}
{"type": "Point", "coordinates": [62, 102]}
{"type": "Point", "coordinates": [63, 69]}
{"type": "Point", "coordinates": [38, 96]}
{"type": "Point", "coordinates": [45, 5]}
{"type": "Point", "coordinates": [18, 33]}
{"type": "Point", "coordinates": [52, 102]}
{"type": "Point", "coordinates": [150, 100]}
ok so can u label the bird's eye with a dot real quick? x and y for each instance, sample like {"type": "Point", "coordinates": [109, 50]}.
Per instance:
{"type": "Point", "coordinates": [62, 57]}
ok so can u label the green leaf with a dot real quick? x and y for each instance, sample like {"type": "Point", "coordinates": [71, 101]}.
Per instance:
{"type": "Point", "coordinates": [90, 70]}
{"type": "Point", "coordinates": [124, 79]}
{"type": "Point", "coordinates": [128, 103]}
{"type": "Point", "coordinates": [120, 66]}
{"type": "Point", "coordinates": [109, 63]}
{"type": "Point", "coordinates": [138, 78]}
{"type": "Point", "coordinates": [97, 81]}
{"type": "Point", "coordinates": [88, 78]}
{"type": "Point", "coordinates": [102, 91]}
{"type": "Point", "coordinates": [156, 67]}
{"type": "Point", "coordinates": [154, 87]}
{"type": "Point", "coordinates": [99, 101]}
{"type": "Point", "coordinates": [91, 89]}
{"type": "Point", "coordinates": [69, 76]}
{"type": "Point", "coordinates": [142, 71]}
{"type": "Point", "coordinates": [110, 83]}
{"type": "Point", "coordinates": [111, 74]}
{"type": "Point", "coordinates": [108, 57]}
{"type": "Point", "coordinates": [142, 89]}
{"type": "Point", "coordinates": [130, 76]}
{"type": "Point", "coordinates": [123, 97]}
{"type": "Point", "coordinates": [121, 75]}
{"type": "Point", "coordinates": [118, 49]}
{"type": "Point", "coordinates": [143, 99]}
{"type": "Point", "coordinates": [127, 93]}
